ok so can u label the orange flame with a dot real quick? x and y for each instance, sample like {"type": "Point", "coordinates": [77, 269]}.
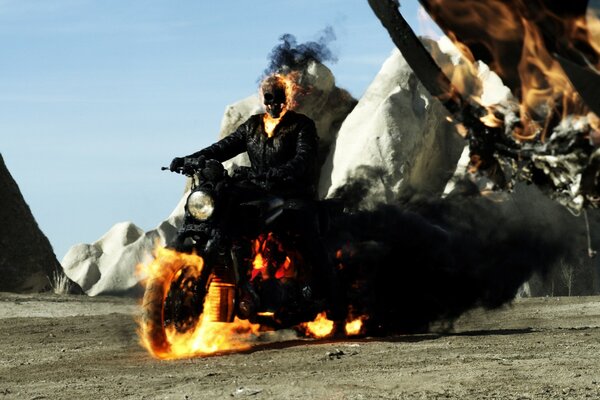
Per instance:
{"type": "Point", "coordinates": [263, 249]}
{"type": "Point", "coordinates": [319, 328]}
{"type": "Point", "coordinates": [205, 337]}
{"type": "Point", "coordinates": [512, 36]}
{"type": "Point", "coordinates": [211, 337]}
{"type": "Point", "coordinates": [355, 327]}
{"type": "Point", "coordinates": [292, 89]}
{"type": "Point", "coordinates": [259, 264]}
{"type": "Point", "coordinates": [283, 270]}
{"type": "Point", "coordinates": [544, 85]}
{"type": "Point", "coordinates": [271, 123]}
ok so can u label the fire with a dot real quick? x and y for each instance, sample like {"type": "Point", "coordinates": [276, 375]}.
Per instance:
{"type": "Point", "coordinates": [201, 335]}
{"type": "Point", "coordinates": [292, 90]}
{"type": "Point", "coordinates": [513, 38]}
{"type": "Point", "coordinates": [545, 87]}
{"type": "Point", "coordinates": [271, 260]}
{"type": "Point", "coordinates": [283, 270]}
{"type": "Point", "coordinates": [491, 120]}
{"type": "Point", "coordinates": [355, 327]}
{"type": "Point", "coordinates": [271, 123]}
{"type": "Point", "coordinates": [259, 262]}
{"type": "Point", "coordinates": [319, 328]}
{"type": "Point", "coordinates": [322, 327]}
{"type": "Point", "coordinates": [211, 337]}
{"type": "Point", "coordinates": [204, 337]}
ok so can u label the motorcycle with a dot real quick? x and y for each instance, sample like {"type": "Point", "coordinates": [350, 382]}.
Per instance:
{"type": "Point", "coordinates": [247, 256]}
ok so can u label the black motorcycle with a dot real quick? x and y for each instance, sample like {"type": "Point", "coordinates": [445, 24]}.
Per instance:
{"type": "Point", "coordinates": [246, 255]}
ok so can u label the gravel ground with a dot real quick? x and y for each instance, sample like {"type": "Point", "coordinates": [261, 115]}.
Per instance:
{"type": "Point", "coordinates": [76, 347]}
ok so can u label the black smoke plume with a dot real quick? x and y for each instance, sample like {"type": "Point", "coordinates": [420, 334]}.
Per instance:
{"type": "Point", "coordinates": [290, 55]}
{"type": "Point", "coordinates": [419, 261]}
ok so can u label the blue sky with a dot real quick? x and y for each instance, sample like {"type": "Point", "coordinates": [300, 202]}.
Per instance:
{"type": "Point", "coordinates": [97, 95]}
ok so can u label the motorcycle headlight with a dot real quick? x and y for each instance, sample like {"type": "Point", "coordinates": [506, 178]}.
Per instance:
{"type": "Point", "coordinates": [200, 205]}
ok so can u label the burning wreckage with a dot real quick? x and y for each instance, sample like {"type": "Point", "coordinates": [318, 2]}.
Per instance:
{"type": "Point", "coordinates": [548, 134]}
{"type": "Point", "coordinates": [404, 265]}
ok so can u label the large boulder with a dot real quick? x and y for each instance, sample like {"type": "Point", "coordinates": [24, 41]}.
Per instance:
{"type": "Point", "coordinates": [108, 266]}
{"type": "Point", "coordinates": [399, 133]}
{"type": "Point", "coordinates": [27, 261]}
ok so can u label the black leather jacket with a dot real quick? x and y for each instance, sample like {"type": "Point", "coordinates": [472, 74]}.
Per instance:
{"type": "Point", "coordinates": [291, 151]}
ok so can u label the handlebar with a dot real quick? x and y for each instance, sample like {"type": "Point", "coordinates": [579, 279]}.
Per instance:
{"type": "Point", "coordinates": [242, 173]}
{"type": "Point", "coordinates": [189, 166]}
{"type": "Point", "coordinates": [204, 169]}
{"type": "Point", "coordinates": [183, 170]}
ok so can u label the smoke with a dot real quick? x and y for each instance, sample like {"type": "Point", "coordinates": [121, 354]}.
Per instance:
{"type": "Point", "coordinates": [291, 56]}
{"type": "Point", "coordinates": [419, 261]}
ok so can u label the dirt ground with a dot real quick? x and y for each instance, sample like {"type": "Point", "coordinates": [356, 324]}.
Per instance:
{"type": "Point", "coordinates": [75, 347]}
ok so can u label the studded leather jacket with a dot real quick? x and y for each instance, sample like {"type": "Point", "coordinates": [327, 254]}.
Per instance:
{"type": "Point", "coordinates": [288, 159]}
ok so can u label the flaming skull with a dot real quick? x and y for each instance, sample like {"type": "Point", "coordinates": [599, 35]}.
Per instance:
{"type": "Point", "coordinates": [279, 92]}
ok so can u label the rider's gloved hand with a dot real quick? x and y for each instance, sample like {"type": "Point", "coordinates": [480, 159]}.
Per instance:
{"type": "Point", "coordinates": [194, 163]}
{"type": "Point", "coordinates": [176, 164]}
{"type": "Point", "coordinates": [242, 173]}
{"type": "Point", "coordinates": [277, 174]}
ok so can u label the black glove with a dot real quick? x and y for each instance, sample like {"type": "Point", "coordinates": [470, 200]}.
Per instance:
{"type": "Point", "coordinates": [277, 174]}
{"type": "Point", "coordinates": [242, 173]}
{"type": "Point", "coordinates": [194, 163]}
{"type": "Point", "coordinates": [176, 164]}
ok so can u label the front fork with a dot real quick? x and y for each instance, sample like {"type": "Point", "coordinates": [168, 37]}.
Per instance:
{"type": "Point", "coordinates": [222, 279]}
{"type": "Point", "coordinates": [220, 296]}
{"type": "Point", "coordinates": [216, 288]}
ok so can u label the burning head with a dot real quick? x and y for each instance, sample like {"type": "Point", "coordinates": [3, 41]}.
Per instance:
{"type": "Point", "coordinates": [273, 90]}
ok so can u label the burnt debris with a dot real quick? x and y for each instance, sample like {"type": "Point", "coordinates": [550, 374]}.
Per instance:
{"type": "Point", "coordinates": [550, 140]}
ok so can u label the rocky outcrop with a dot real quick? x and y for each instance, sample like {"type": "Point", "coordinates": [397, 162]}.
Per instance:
{"type": "Point", "coordinates": [398, 131]}
{"type": "Point", "coordinates": [27, 261]}
{"type": "Point", "coordinates": [108, 266]}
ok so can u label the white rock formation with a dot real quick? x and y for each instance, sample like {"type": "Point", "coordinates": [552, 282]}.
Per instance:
{"type": "Point", "coordinates": [398, 129]}
{"type": "Point", "coordinates": [108, 266]}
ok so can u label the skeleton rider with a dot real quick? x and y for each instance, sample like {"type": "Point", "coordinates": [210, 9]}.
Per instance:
{"type": "Point", "coordinates": [282, 146]}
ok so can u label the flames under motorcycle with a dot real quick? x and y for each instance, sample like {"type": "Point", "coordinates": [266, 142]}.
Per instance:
{"type": "Point", "coordinates": [259, 260]}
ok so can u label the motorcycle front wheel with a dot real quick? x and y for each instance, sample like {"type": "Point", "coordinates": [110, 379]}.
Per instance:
{"type": "Point", "coordinates": [173, 300]}
{"type": "Point", "coordinates": [183, 297]}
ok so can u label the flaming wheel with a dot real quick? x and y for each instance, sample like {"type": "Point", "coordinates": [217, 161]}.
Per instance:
{"type": "Point", "coordinates": [184, 301]}
{"type": "Point", "coordinates": [182, 297]}
{"type": "Point", "coordinates": [173, 299]}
